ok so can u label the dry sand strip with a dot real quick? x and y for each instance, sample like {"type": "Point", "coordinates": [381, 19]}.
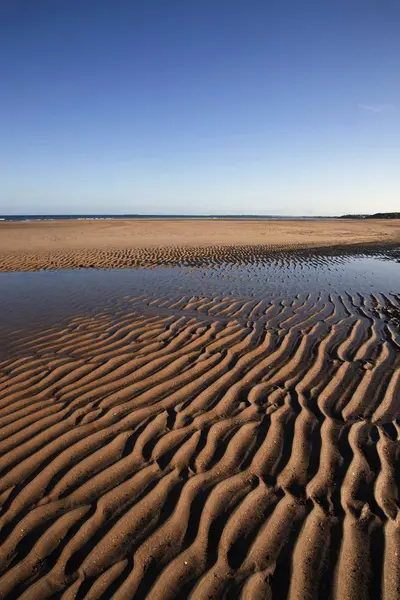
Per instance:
{"type": "Point", "coordinates": [69, 244]}
{"type": "Point", "coordinates": [221, 449]}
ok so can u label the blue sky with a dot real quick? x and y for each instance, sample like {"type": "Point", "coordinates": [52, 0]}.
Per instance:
{"type": "Point", "coordinates": [211, 106]}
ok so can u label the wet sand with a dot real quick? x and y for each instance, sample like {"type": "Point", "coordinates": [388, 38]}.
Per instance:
{"type": "Point", "coordinates": [219, 432]}
{"type": "Point", "coordinates": [30, 246]}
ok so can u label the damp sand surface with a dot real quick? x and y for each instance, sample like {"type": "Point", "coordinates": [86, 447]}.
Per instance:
{"type": "Point", "coordinates": [217, 430]}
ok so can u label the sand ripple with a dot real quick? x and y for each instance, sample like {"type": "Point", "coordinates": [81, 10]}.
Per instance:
{"type": "Point", "coordinates": [206, 448]}
{"type": "Point", "coordinates": [212, 255]}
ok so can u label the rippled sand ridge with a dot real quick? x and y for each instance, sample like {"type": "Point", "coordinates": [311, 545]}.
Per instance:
{"type": "Point", "coordinates": [202, 445]}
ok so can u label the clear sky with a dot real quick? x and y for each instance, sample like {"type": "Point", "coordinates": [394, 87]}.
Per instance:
{"type": "Point", "coordinates": [199, 106]}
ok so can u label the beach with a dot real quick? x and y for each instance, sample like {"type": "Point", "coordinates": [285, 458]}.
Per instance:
{"type": "Point", "coordinates": [210, 411]}
{"type": "Point", "coordinates": [69, 244]}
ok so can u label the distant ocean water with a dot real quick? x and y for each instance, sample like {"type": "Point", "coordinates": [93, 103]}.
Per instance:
{"type": "Point", "coordinates": [110, 216]}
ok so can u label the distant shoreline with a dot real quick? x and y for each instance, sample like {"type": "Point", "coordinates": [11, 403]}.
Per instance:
{"type": "Point", "coordinates": [102, 217]}
{"type": "Point", "coordinates": [389, 215]}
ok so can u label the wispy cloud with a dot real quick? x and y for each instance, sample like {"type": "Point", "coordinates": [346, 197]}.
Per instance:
{"type": "Point", "coordinates": [376, 108]}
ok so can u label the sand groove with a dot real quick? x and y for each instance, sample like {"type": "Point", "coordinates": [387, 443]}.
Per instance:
{"type": "Point", "coordinates": [205, 447]}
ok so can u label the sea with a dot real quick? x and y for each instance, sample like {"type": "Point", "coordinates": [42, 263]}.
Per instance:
{"type": "Point", "coordinates": [90, 217]}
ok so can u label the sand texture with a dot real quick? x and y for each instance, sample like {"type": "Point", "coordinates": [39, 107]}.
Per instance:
{"type": "Point", "coordinates": [199, 447]}
{"type": "Point", "coordinates": [29, 246]}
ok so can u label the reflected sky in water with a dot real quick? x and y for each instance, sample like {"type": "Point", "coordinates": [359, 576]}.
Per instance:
{"type": "Point", "coordinates": [37, 299]}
